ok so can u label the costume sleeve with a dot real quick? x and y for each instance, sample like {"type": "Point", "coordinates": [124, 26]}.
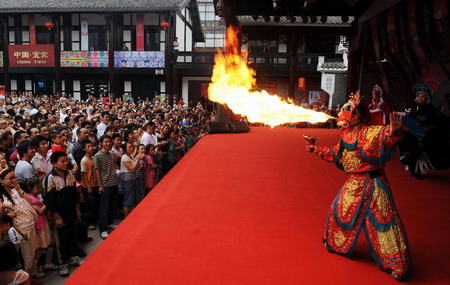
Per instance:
{"type": "Point", "coordinates": [50, 195]}
{"type": "Point", "coordinates": [390, 140]}
{"type": "Point", "coordinates": [327, 153]}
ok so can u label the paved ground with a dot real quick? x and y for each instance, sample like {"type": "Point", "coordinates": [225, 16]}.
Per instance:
{"type": "Point", "coordinates": [53, 278]}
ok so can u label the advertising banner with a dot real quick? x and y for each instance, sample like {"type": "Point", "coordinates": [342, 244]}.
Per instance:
{"type": "Point", "coordinates": [84, 34]}
{"type": "Point", "coordinates": [139, 32]}
{"type": "Point", "coordinates": [31, 55]}
{"type": "Point", "coordinates": [139, 59]}
{"type": "Point", "coordinates": [84, 59]}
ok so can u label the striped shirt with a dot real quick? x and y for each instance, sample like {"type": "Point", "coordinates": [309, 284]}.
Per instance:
{"type": "Point", "coordinates": [104, 162]}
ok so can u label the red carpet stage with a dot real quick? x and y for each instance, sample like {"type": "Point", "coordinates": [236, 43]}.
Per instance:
{"type": "Point", "coordinates": [251, 209]}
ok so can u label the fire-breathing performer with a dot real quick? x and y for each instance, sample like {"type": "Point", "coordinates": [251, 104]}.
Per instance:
{"type": "Point", "coordinates": [365, 201]}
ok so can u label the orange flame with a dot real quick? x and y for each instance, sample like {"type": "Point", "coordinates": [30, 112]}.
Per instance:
{"type": "Point", "coordinates": [232, 85]}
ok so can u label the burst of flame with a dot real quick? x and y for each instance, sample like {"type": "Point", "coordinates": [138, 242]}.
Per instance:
{"type": "Point", "coordinates": [232, 85]}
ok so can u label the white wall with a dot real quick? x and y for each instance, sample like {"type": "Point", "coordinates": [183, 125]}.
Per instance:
{"type": "Point", "coordinates": [327, 83]}
{"type": "Point", "coordinates": [188, 39]}
{"type": "Point", "coordinates": [185, 85]}
{"type": "Point", "coordinates": [13, 84]}
{"type": "Point", "coordinates": [76, 90]}
{"type": "Point", "coordinates": [179, 32]}
{"type": "Point", "coordinates": [28, 85]}
{"type": "Point", "coordinates": [127, 87]}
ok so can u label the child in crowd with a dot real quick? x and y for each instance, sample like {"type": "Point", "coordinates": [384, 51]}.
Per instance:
{"type": "Point", "coordinates": [9, 233]}
{"type": "Point", "coordinates": [140, 175]}
{"type": "Point", "coordinates": [43, 236]}
{"type": "Point", "coordinates": [89, 182]}
{"type": "Point", "coordinates": [150, 168]}
{"type": "Point", "coordinates": [7, 265]}
{"type": "Point", "coordinates": [61, 201]}
{"type": "Point", "coordinates": [57, 142]}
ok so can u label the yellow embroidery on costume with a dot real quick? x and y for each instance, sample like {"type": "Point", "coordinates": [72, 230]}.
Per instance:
{"type": "Point", "coordinates": [381, 199]}
{"type": "Point", "coordinates": [350, 161]}
{"type": "Point", "coordinates": [339, 238]}
{"type": "Point", "coordinates": [349, 195]}
{"type": "Point", "coordinates": [372, 136]}
{"type": "Point", "coordinates": [391, 241]}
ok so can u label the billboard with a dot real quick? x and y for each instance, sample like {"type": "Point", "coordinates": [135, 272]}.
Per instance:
{"type": "Point", "coordinates": [31, 55]}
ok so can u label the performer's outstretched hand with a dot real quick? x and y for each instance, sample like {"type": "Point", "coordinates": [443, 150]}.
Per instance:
{"type": "Point", "coordinates": [396, 122]}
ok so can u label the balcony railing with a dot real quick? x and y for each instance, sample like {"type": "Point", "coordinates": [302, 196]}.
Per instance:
{"type": "Point", "coordinates": [255, 59]}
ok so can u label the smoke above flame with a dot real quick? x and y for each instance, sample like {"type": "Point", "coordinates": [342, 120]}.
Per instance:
{"type": "Point", "coordinates": [233, 84]}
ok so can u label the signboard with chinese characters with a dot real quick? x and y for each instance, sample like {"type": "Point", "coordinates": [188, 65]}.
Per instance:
{"type": "Point", "coordinates": [31, 55]}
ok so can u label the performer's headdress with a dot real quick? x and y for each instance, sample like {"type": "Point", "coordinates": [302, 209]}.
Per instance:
{"type": "Point", "coordinates": [378, 89]}
{"type": "Point", "coordinates": [347, 110]}
{"type": "Point", "coordinates": [423, 88]}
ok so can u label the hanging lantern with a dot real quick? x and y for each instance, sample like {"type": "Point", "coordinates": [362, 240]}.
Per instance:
{"type": "Point", "coordinates": [164, 25]}
{"type": "Point", "coordinates": [49, 25]}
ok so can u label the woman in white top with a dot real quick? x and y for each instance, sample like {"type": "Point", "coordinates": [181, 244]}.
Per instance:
{"type": "Point", "coordinates": [24, 215]}
{"type": "Point", "coordinates": [128, 166]}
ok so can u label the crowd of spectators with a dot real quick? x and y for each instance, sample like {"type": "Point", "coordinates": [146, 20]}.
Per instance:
{"type": "Point", "coordinates": [67, 166]}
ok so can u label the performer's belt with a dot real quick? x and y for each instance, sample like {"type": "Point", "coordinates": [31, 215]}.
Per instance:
{"type": "Point", "coordinates": [375, 173]}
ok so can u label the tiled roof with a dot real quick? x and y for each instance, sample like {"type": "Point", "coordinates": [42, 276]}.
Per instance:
{"type": "Point", "coordinates": [331, 21]}
{"type": "Point", "coordinates": [26, 6]}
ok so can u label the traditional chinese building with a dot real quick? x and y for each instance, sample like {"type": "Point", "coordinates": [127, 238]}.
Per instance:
{"type": "Point", "coordinates": [395, 44]}
{"type": "Point", "coordinates": [95, 47]}
{"type": "Point", "coordinates": [284, 52]}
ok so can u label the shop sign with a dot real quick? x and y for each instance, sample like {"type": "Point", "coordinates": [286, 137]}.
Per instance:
{"type": "Point", "coordinates": [31, 55]}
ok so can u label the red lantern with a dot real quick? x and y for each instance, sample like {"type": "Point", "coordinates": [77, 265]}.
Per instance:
{"type": "Point", "coordinates": [323, 19]}
{"type": "Point", "coordinates": [164, 25]}
{"type": "Point", "coordinates": [49, 25]}
{"type": "Point", "coordinates": [276, 19]}
{"type": "Point", "coordinates": [313, 19]}
{"type": "Point", "coordinates": [344, 19]}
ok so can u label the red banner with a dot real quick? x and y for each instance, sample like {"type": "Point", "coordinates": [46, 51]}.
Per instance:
{"type": "Point", "coordinates": [31, 55]}
{"type": "Point", "coordinates": [32, 29]}
{"type": "Point", "coordinates": [140, 32]}
{"type": "Point", "coordinates": [2, 92]}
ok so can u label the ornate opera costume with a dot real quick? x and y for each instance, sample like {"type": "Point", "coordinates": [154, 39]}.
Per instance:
{"type": "Point", "coordinates": [379, 110]}
{"type": "Point", "coordinates": [365, 202]}
{"type": "Point", "coordinates": [421, 154]}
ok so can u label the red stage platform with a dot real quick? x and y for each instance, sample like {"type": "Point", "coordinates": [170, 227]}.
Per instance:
{"type": "Point", "coordinates": [251, 209]}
